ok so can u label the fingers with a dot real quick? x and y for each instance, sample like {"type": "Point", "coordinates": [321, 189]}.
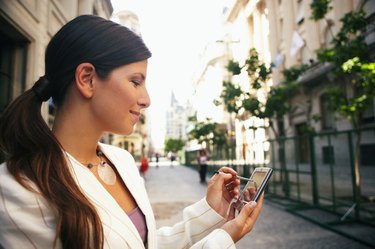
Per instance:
{"type": "Point", "coordinates": [228, 182]}
{"type": "Point", "coordinates": [226, 178]}
{"type": "Point", "coordinates": [229, 173]}
{"type": "Point", "coordinates": [251, 211]}
{"type": "Point", "coordinates": [245, 221]}
{"type": "Point", "coordinates": [246, 211]}
{"type": "Point", "coordinates": [227, 170]}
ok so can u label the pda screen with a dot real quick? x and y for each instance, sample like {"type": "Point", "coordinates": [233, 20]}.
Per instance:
{"type": "Point", "coordinates": [258, 178]}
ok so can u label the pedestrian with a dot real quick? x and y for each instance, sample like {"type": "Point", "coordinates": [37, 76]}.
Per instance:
{"type": "Point", "coordinates": [62, 188]}
{"type": "Point", "coordinates": [144, 166]}
{"type": "Point", "coordinates": [157, 159]}
{"type": "Point", "coordinates": [202, 163]}
{"type": "Point", "coordinates": [172, 157]}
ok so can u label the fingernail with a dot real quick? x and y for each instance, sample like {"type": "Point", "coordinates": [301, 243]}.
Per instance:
{"type": "Point", "coordinates": [253, 204]}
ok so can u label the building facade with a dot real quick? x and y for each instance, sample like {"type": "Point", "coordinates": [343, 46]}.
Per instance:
{"type": "Point", "coordinates": [283, 34]}
{"type": "Point", "coordinates": [25, 30]}
{"type": "Point", "coordinates": [176, 120]}
{"type": "Point", "coordinates": [293, 39]}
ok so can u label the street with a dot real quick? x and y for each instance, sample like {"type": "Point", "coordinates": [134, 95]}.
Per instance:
{"type": "Point", "coordinates": [171, 188]}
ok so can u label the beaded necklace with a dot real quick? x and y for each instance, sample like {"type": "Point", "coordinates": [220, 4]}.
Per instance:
{"type": "Point", "coordinates": [105, 171]}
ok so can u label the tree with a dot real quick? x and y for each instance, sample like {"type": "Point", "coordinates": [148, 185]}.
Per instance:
{"type": "Point", "coordinates": [352, 65]}
{"type": "Point", "coordinates": [349, 54]}
{"type": "Point", "coordinates": [277, 98]}
{"type": "Point", "coordinates": [208, 132]}
{"type": "Point", "coordinates": [172, 144]}
{"type": "Point", "coordinates": [275, 104]}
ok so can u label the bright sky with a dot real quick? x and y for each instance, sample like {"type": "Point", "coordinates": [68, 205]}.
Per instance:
{"type": "Point", "coordinates": [176, 32]}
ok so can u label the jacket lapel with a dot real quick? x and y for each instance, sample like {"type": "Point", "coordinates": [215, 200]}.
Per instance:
{"type": "Point", "coordinates": [116, 222]}
{"type": "Point", "coordinates": [129, 173]}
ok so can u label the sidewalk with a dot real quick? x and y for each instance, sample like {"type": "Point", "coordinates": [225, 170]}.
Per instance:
{"type": "Point", "coordinates": [172, 188]}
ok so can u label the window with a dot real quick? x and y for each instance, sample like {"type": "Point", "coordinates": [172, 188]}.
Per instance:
{"type": "Point", "coordinates": [300, 17]}
{"type": "Point", "coordinates": [280, 127]}
{"type": "Point", "coordinates": [369, 114]}
{"type": "Point", "coordinates": [327, 115]}
{"type": "Point", "coordinates": [303, 143]}
{"type": "Point", "coordinates": [13, 51]}
{"type": "Point", "coordinates": [367, 151]}
{"type": "Point", "coordinates": [5, 72]}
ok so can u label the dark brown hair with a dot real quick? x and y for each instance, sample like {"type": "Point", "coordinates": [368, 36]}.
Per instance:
{"type": "Point", "coordinates": [29, 146]}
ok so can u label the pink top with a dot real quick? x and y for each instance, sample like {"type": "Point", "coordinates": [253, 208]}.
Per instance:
{"type": "Point", "coordinates": [139, 220]}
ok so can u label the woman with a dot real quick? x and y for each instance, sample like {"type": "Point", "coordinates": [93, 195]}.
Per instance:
{"type": "Point", "coordinates": [144, 166]}
{"type": "Point", "coordinates": [61, 188]}
{"type": "Point", "coordinates": [202, 162]}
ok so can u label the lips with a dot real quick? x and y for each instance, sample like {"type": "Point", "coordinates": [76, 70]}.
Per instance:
{"type": "Point", "coordinates": [135, 115]}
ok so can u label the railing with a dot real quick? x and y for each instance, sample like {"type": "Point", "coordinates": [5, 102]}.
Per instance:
{"type": "Point", "coordinates": [317, 172]}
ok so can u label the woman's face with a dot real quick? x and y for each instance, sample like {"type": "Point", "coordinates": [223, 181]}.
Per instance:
{"type": "Point", "coordinates": [119, 99]}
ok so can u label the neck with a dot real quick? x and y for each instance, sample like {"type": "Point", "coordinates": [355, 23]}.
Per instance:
{"type": "Point", "coordinates": [76, 138]}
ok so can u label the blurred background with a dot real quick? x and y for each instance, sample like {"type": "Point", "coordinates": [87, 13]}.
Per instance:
{"type": "Point", "coordinates": [287, 84]}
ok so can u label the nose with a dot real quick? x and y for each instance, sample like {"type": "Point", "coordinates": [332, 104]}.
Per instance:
{"type": "Point", "coordinates": [144, 101]}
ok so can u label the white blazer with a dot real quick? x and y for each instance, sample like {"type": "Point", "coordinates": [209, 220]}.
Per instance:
{"type": "Point", "coordinates": [28, 222]}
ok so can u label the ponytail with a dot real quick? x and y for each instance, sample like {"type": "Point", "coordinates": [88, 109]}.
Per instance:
{"type": "Point", "coordinates": [31, 150]}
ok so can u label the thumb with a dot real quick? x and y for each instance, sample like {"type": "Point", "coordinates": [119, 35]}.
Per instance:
{"type": "Point", "coordinates": [246, 211]}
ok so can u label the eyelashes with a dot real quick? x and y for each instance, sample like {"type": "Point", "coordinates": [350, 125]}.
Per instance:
{"type": "Point", "coordinates": [136, 82]}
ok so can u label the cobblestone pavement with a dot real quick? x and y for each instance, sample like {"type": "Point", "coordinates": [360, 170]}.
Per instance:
{"type": "Point", "coordinates": [173, 188]}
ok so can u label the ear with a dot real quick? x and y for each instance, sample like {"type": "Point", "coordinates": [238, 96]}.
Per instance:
{"type": "Point", "coordinates": [85, 73]}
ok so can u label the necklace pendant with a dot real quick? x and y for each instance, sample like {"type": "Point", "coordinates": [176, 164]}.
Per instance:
{"type": "Point", "coordinates": [107, 174]}
{"type": "Point", "coordinates": [90, 165]}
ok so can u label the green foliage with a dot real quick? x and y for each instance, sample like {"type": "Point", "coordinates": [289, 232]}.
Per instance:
{"type": "Point", "coordinates": [208, 132]}
{"type": "Point", "coordinates": [364, 81]}
{"type": "Point", "coordinates": [230, 96]}
{"type": "Point", "coordinates": [278, 100]}
{"type": "Point", "coordinates": [219, 138]}
{"type": "Point", "coordinates": [234, 67]}
{"type": "Point", "coordinates": [171, 144]}
{"type": "Point", "coordinates": [348, 42]}
{"type": "Point", "coordinates": [349, 55]}
{"type": "Point", "coordinates": [193, 118]}
{"type": "Point", "coordinates": [291, 74]}
{"type": "Point", "coordinates": [252, 62]}
{"type": "Point", "coordinates": [352, 22]}
{"type": "Point", "coordinates": [257, 70]}
{"type": "Point", "coordinates": [367, 71]}
{"type": "Point", "coordinates": [319, 9]}
{"type": "Point", "coordinates": [252, 105]}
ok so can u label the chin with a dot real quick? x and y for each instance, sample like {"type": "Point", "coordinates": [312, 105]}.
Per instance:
{"type": "Point", "coordinates": [122, 132]}
{"type": "Point", "coordinates": [125, 133]}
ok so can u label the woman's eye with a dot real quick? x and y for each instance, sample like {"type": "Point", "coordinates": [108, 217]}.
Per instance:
{"type": "Point", "coordinates": [136, 82]}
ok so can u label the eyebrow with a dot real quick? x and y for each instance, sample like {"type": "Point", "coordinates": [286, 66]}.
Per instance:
{"type": "Point", "coordinates": [141, 75]}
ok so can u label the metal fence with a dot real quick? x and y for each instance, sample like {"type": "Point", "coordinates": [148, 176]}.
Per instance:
{"type": "Point", "coordinates": [315, 177]}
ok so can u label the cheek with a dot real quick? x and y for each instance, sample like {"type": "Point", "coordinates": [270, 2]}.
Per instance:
{"type": "Point", "coordinates": [121, 102]}
{"type": "Point", "coordinates": [117, 98]}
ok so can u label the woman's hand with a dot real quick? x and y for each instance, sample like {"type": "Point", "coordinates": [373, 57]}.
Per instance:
{"type": "Point", "coordinates": [222, 188]}
{"type": "Point", "coordinates": [245, 221]}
